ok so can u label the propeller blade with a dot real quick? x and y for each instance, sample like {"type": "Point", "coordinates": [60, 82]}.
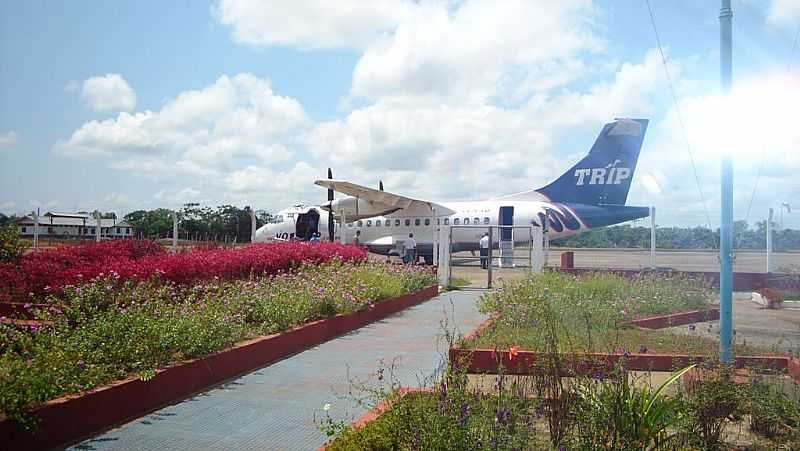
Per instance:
{"type": "Point", "coordinates": [380, 185]}
{"type": "Point", "coordinates": [330, 191]}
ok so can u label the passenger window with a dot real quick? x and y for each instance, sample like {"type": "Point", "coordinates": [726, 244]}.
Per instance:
{"type": "Point", "coordinates": [388, 223]}
{"type": "Point", "coordinates": [377, 223]}
{"type": "Point", "coordinates": [397, 223]}
{"type": "Point", "coordinates": [455, 221]}
{"type": "Point", "coordinates": [466, 221]}
{"type": "Point", "coordinates": [416, 222]}
{"type": "Point", "coordinates": [360, 223]}
{"type": "Point", "coordinates": [486, 221]}
{"type": "Point", "coordinates": [476, 221]}
{"type": "Point", "coordinates": [427, 221]}
{"type": "Point", "coordinates": [408, 222]}
{"type": "Point", "coordinates": [350, 225]}
{"type": "Point", "coordinates": [369, 222]}
{"type": "Point", "coordinates": [446, 221]}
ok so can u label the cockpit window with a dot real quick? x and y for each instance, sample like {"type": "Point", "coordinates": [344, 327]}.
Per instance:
{"type": "Point", "coordinates": [276, 219]}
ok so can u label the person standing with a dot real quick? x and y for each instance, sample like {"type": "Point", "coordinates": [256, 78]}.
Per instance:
{"type": "Point", "coordinates": [357, 238]}
{"type": "Point", "coordinates": [484, 245]}
{"type": "Point", "coordinates": [411, 249]}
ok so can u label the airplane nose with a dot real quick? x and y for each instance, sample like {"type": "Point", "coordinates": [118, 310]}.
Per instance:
{"type": "Point", "coordinates": [262, 233]}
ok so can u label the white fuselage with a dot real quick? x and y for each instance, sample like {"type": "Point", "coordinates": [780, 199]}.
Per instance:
{"type": "Point", "coordinates": [383, 234]}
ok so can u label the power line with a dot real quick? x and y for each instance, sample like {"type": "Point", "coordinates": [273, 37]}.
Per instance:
{"type": "Point", "coordinates": [678, 111]}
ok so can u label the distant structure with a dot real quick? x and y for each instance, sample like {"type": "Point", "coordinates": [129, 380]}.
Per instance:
{"type": "Point", "coordinates": [74, 226]}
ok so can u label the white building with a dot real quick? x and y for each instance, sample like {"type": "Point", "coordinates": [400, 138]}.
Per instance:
{"type": "Point", "coordinates": [74, 225]}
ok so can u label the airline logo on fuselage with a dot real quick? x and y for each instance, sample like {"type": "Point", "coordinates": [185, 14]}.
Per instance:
{"type": "Point", "coordinates": [609, 175]}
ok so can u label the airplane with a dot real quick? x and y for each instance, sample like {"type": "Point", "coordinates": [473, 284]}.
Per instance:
{"type": "Point", "coordinates": [591, 194]}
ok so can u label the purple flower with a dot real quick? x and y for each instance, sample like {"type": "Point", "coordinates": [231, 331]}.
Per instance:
{"type": "Point", "coordinates": [599, 375]}
{"type": "Point", "coordinates": [503, 416]}
{"type": "Point", "coordinates": [463, 415]}
{"type": "Point", "coordinates": [642, 349]}
{"type": "Point", "coordinates": [692, 327]}
{"type": "Point", "coordinates": [81, 364]}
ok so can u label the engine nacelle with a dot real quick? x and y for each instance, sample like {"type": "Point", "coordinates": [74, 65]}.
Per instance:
{"type": "Point", "coordinates": [354, 209]}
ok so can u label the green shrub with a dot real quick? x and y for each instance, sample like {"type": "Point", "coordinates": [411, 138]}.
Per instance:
{"type": "Point", "coordinates": [11, 246]}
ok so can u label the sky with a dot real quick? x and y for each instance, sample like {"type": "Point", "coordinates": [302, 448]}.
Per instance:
{"type": "Point", "coordinates": [120, 106]}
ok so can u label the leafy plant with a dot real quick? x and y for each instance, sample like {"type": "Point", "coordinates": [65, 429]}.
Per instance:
{"type": "Point", "coordinates": [11, 246]}
{"type": "Point", "coordinates": [713, 400]}
{"type": "Point", "coordinates": [618, 414]}
{"type": "Point", "coordinates": [771, 412]}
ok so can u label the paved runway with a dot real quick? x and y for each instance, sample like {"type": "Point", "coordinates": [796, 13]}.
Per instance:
{"type": "Point", "coordinates": [273, 408]}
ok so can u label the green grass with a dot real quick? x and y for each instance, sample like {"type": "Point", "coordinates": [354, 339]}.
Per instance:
{"type": "Point", "coordinates": [591, 314]}
{"type": "Point", "coordinates": [457, 282]}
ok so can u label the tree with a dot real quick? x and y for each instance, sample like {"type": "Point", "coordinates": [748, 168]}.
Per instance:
{"type": "Point", "coordinates": [11, 246]}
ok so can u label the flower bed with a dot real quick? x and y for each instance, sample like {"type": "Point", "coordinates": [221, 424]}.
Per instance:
{"type": "Point", "coordinates": [106, 331]}
{"type": "Point", "coordinates": [616, 411]}
{"type": "Point", "coordinates": [597, 313]}
{"type": "Point", "coordinates": [39, 274]}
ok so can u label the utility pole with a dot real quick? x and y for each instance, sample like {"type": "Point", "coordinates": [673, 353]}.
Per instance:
{"type": "Point", "coordinates": [726, 188]}
{"type": "Point", "coordinates": [653, 238]}
{"type": "Point", "coordinates": [769, 242]}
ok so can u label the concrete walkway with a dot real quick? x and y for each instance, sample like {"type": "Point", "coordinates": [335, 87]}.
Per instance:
{"type": "Point", "coordinates": [273, 408]}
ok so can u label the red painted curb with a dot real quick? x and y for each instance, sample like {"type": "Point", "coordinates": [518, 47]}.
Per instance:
{"type": "Point", "coordinates": [677, 319]}
{"type": "Point", "coordinates": [375, 412]}
{"type": "Point", "coordinates": [72, 418]}
{"type": "Point", "coordinates": [487, 361]}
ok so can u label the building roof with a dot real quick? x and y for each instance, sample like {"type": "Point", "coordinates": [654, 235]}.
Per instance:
{"type": "Point", "coordinates": [74, 221]}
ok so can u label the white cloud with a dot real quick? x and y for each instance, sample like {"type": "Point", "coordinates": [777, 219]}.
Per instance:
{"type": "Point", "coordinates": [475, 150]}
{"type": "Point", "coordinates": [477, 50]}
{"type": "Point", "coordinates": [107, 93]}
{"type": "Point", "coordinates": [311, 23]}
{"type": "Point", "coordinates": [783, 12]}
{"type": "Point", "coordinates": [8, 141]}
{"type": "Point", "coordinates": [198, 131]}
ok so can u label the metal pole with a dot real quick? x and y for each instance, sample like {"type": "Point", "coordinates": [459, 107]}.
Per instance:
{"type": "Point", "coordinates": [343, 227]}
{"type": "Point", "coordinates": [726, 188]}
{"type": "Point", "coordinates": [253, 226]}
{"type": "Point", "coordinates": [174, 232]}
{"type": "Point", "coordinates": [35, 230]}
{"type": "Point", "coordinates": [769, 241]}
{"type": "Point", "coordinates": [99, 224]}
{"type": "Point", "coordinates": [489, 257]}
{"type": "Point", "coordinates": [435, 240]}
{"type": "Point", "coordinates": [653, 238]}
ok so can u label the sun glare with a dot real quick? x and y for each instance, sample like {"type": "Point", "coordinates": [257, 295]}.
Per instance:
{"type": "Point", "coordinates": [759, 117]}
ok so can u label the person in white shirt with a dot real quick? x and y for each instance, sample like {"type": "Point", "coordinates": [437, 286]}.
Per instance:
{"type": "Point", "coordinates": [484, 245]}
{"type": "Point", "coordinates": [411, 249]}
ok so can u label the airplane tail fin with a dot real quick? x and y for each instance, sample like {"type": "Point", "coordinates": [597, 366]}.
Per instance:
{"type": "Point", "coordinates": [604, 176]}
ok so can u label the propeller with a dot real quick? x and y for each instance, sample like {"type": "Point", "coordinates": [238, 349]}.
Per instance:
{"type": "Point", "coordinates": [380, 185]}
{"type": "Point", "coordinates": [331, 226]}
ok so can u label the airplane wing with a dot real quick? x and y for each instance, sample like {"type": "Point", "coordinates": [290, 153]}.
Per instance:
{"type": "Point", "coordinates": [383, 197]}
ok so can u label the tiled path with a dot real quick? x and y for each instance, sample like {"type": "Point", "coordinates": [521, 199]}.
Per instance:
{"type": "Point", "coordinates": [273, 407]}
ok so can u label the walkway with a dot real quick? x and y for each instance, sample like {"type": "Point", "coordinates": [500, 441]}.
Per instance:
{"type": "Point", "coordinates": [273, 408]}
